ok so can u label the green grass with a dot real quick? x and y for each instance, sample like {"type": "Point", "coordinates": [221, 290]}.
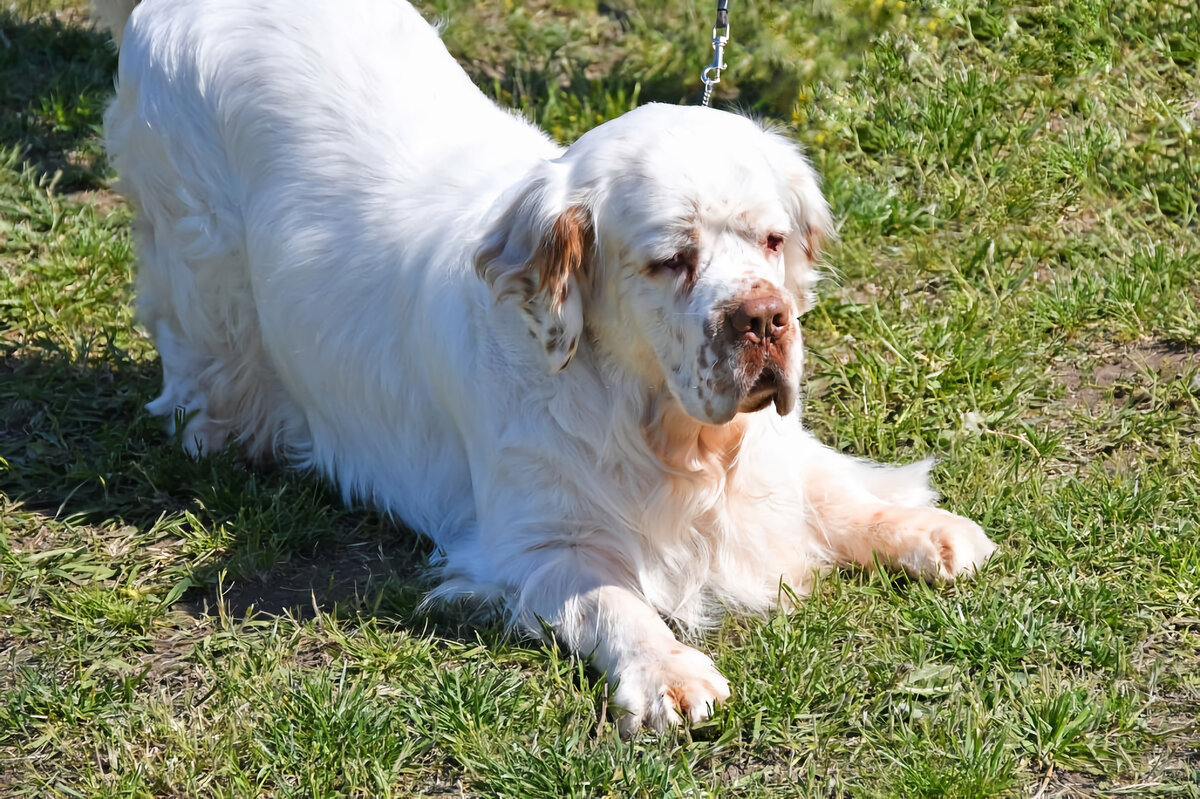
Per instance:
{"type": "Point", "coordinates": [1015, 290]}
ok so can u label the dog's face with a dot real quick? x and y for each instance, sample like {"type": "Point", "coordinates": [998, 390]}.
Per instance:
{"type": "Point", "coordinates": [683, 241]}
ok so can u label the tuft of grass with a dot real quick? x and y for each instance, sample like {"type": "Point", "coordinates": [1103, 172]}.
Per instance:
{"type": "Point", "coordinates": [1014, 291]}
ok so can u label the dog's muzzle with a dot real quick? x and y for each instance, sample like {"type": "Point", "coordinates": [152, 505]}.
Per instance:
{"type": "Point", "coordinates": [760, 333]}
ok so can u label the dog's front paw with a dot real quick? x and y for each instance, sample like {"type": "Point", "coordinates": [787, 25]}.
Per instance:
{"type": "Point", "coordinates": [943, 546]}
{"type": "Point", "coordinates": [663, 689]}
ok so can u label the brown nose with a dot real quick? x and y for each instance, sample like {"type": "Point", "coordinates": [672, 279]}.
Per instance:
{"type": "Point", "coordinates": [760, 319]}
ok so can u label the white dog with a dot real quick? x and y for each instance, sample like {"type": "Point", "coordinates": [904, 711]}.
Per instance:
{"type": "Point", "coordinates": [556, 363]}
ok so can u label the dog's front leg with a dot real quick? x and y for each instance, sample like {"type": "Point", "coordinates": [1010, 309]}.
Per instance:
{"type": "Point", "coordinates": [659, 681]}
{"type": "Point", "coordinates": [929, 543]}
{"type": "Point", "coordinates": [868, 514]}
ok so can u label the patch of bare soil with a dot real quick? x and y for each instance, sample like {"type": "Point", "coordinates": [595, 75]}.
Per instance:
{"type": "Point", "coordinates": [1116, 372]}
{"type": "Point", "coordinates": [298, 588]}
{"type": "Point", "coordinates": [301, 586]}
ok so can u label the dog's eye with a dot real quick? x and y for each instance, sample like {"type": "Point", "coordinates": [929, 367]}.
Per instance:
{"type": "Point", "coordinates": [676, 264]}
{"type": "Point", "coordinates": [673, 264]}
{"type": "Point", "coordinates": [774, 242]}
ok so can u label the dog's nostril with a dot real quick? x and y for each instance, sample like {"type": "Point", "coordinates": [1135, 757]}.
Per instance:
{"type": "Point", "coordinates": [743, 323]}
{"type": "Point", "coordinates": [759, 318]}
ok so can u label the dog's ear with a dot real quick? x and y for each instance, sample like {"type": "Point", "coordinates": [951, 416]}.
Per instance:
{"type": "Point", "coordinates": [537, 253]}
{"type": "Point", "coordinates": [812, 224]}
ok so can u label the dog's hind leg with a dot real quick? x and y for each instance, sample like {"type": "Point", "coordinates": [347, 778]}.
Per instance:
{"type": "Point", "coordinates": [198, 306]}
{"type": "Point", "coordinates": [185, 358]}
{"type": "Point", "coordinates": [182, 396]}
{"type": "Point", "coordinates": [193, 283]}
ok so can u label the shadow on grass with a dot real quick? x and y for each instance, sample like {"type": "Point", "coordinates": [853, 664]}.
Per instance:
{"type": "Point", "coordinates": [77, 447]}
{"type": "Point", "coordinates": [82, 452]}
{"type": "Point", "coordinates": [55, 81]}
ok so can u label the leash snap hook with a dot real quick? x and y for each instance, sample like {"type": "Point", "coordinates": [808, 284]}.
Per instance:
{"type": "Point", "coordinates": [711, 75]}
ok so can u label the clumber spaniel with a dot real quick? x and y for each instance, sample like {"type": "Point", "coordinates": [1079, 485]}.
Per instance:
{"type": "Point", "coordinates": [555, 362]}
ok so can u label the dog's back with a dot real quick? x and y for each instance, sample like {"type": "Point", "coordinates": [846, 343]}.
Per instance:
{"type": "Point", "coordinates": [257, 138]}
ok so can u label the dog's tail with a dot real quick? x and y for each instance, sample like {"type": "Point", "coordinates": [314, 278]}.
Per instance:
{"type": "Point", "coordinates": [111, 16]}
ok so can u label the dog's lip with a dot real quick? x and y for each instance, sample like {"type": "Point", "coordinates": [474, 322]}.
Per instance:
{"type": "Point", "coordinates": [785, 398]}
{"type": "Point", "coordinates": [766, 388]}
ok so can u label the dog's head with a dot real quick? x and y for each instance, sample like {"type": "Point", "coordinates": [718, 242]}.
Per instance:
{"type": "Point", "coordinates": [681, 241]}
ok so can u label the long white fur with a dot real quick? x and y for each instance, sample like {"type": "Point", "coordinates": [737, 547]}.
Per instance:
{"type": "Point", "coordinates": [335, 229]}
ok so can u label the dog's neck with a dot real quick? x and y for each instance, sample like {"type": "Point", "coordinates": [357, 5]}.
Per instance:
{"type": "Point", "coordinates": [650, 423]}
{"type": "Point", "coordinates": [686, 446]}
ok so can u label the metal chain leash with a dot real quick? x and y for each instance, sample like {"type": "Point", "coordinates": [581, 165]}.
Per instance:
{"type": "Point", "coordinates": [711, 75]}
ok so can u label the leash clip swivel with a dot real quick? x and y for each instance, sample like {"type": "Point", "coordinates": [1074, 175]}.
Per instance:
{"type": "Point", "coordinates": [711, 75]}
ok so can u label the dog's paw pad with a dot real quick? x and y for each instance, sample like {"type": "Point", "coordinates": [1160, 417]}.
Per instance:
{"type": "Point", "coordinates": [679, 685]}
{"type": "Point", "coordinates": [945, 546]}
{"type": "Point", "coordinates": [964, 547]}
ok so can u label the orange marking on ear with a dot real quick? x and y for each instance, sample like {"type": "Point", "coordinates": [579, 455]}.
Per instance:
{"type": "Point", "coordinates": [561, 253]}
